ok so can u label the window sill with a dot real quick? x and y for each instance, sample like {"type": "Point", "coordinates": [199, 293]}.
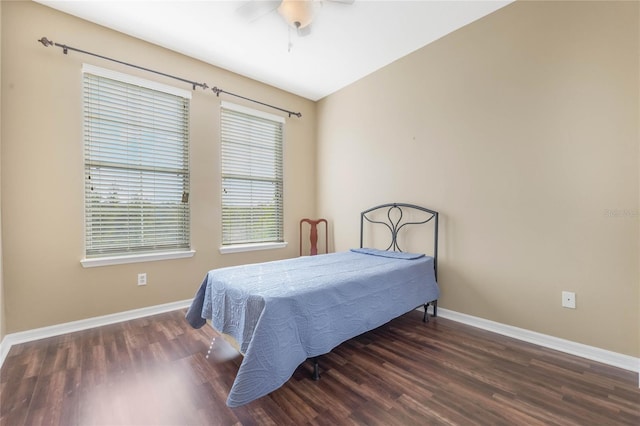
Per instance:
{"type": "Point", "coordinates": [135, 258]}
{"type": "Point", "coordinates": [237, 248]}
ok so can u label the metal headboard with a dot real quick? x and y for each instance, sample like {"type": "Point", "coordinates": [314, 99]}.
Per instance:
{"type": "Point", "coordinates": [395, 225]}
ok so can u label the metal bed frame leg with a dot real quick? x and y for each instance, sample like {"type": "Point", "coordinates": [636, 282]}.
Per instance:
{"type": "Point", "coordinates": [316, 369]}
{"type": "Point", "coordinates": [434, 303]}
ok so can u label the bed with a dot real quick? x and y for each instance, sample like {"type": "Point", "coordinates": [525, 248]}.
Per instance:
{"type": "Point", "coordinates": [284, 312]}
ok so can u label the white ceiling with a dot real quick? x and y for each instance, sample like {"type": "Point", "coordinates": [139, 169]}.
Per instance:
{"type": "Point", "coordinates": [347, 41]}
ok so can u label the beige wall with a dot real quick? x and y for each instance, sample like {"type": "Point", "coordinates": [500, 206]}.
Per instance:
{"type": "Point", "coordinates": [638, 139]}
{"type": "Point", "coordinates": [2, 309]}
{"type": "Point", "coordinates": [522, 130]}
{"type": "Point", "coordinates": [42, 172]}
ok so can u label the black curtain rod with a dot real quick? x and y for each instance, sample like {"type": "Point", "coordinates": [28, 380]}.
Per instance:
{"type": "Point", "coordinates": [65, 49]}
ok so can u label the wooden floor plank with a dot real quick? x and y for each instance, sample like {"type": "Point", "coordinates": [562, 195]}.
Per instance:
{"type": "Point", "coordinates": [155, 371]}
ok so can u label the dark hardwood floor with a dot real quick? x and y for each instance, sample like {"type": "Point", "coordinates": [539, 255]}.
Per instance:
{"type": "Point", "coordinates": [155, 371]}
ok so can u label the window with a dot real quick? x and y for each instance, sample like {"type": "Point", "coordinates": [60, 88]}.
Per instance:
{"type": "Point", "coordinates": [136, 163]}
{"type": "Point", "coordinates": [251, 157]}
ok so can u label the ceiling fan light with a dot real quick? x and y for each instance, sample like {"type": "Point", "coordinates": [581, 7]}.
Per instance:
{"type": "Point", "coordinates": [297, 13]}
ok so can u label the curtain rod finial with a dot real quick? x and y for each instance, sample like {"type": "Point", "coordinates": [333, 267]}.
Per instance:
{"type": "Point", "coordinates": [46, 42]}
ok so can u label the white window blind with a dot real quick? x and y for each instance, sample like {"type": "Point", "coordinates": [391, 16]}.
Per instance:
{"type": "Point", "coordinates": [136, 165]}
{"type": "Point", "coordinates": [251, 153]}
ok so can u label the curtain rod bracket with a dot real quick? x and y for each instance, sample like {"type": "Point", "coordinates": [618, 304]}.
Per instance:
{"type": "Point", "coordinates": [46, 42]}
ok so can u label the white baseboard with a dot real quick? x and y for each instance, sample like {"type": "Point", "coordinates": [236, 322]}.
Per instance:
{"type": "Point", "coordinates": [70, 327]}
{"type": "Point", "coordinates": [4, 349]}
{"type": "Point", "coordinates": [585, 351]}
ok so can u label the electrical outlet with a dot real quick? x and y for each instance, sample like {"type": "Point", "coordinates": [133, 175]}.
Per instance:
{"type": "Point", "coordinates": [568, 299]}
{"type": "Point", "coordinates": [142, 278]}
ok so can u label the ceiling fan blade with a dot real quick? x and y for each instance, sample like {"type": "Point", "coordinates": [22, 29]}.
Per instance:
{"type": "Point", "coordinates": [253, 10]}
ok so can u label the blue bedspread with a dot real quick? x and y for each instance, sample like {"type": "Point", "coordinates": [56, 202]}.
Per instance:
{"type": "Point", "coordinates": [286, 311]}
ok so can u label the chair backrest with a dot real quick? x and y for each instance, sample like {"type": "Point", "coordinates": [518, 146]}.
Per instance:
{"type": "Point", "coordinates": [313, 235]}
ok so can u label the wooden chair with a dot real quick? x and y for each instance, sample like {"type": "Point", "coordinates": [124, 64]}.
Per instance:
{"type": "Point", "coordinates": [313, 235]}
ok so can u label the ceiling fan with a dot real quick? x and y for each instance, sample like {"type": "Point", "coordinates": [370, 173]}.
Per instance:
{"type": "Point", "coordinates": [298, 14]}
